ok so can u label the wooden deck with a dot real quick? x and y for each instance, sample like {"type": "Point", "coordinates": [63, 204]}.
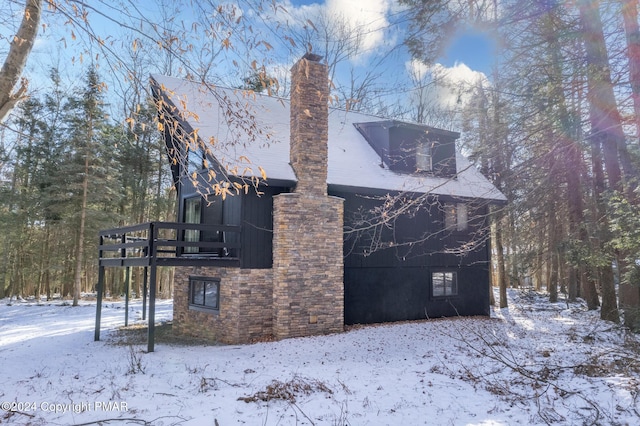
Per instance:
{"type": "Point", "coordinates": [154, 244]}
{"type": "Point", "coordinates": [163, 243]}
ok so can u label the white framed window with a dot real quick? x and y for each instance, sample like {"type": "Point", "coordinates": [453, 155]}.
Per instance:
{"type": "Point", "coordinates": [444, 283]}
{"type": "Point", "coordinates": [424, 161]}
{"type": "Point", "coordinates": [456, 216]}
{"type": "Point", "coordinates": [204, 293]}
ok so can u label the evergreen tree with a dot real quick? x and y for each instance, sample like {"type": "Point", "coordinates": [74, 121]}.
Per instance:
{"type": "Point", "coordinates": [89, 171]}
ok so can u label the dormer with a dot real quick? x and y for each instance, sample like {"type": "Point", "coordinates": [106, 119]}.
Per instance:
{"type": "Point", "coordinates": [412, 148]}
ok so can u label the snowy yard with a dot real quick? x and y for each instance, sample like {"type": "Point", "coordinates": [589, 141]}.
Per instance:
{"type": "Point", "coordinates": [533, 363]}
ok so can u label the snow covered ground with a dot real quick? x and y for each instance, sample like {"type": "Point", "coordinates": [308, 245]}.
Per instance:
{"type": "Point", "coordinates": [532, 363]}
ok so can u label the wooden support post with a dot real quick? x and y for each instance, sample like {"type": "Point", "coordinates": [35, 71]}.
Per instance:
{"type": "Point", "coordinates": [100, 290]}
{"type": "Point", "coordinates": [152, 289]}
{"type": "Point", "coordinates": [127, 287]}
{"type": "Point", "coordinates": [145, 286]}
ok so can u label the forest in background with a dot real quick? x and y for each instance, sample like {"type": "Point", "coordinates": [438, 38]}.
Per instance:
{"type": "Point", "coordinates": [554, 126]}
{"type": "Point", "coordinates": [73, 172]}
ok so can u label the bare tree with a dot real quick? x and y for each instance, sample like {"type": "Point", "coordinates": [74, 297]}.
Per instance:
{"type": "Point", "coordinates": [340, 42]}
{"type": "Point", "coordinates": [16, 59]}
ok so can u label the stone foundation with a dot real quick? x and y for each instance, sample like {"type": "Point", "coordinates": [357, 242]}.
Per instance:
{"type": "Point", "coordinates": [246, 301]}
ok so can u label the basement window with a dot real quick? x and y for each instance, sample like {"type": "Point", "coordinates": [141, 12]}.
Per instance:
{"type": "Point", "coordinates": [444, 283]}
{"type": "Point", "coordinates": [204, 293]}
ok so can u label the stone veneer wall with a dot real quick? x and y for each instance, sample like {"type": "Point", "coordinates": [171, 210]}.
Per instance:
{"type": "Point", "coordinates": [308, 292]}
{"type": "Point", "coordinates": [309, 125]}
{"type": "Point", "coordinates": [308, 289]}
{"type": "Point", "coordinates": [246, 305]}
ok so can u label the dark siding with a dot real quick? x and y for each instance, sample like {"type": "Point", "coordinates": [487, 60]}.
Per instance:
{"type": "Point", "coordinates": [413, 240]}
{"type": "Point", "coordinates": [257, 228]}
{"type": "Point", "coordinates": [377, 134]}
{"type": "Point", "coordinates": [375, 295]}
{"type": "Point", "coordinates": [393, 283]}
{"type": "Point", "coordinates": [231, 215]}
{"type": "Point", "coordinates": [252, 211]}
{"type": "Point", "coordinates": [402, 149]}
{"type": "Point", "coordinates": [171, 146]}
{"type": "Point", "coordinates": [444, 157]}
{"type": "Point", "coordinates": [384, 294]}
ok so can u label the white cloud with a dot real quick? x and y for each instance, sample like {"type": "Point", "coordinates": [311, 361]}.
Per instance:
{"type": "Point", "coordinates": [445, 86]}
{"type": "Point", "coordinates": [366, 18]}
{"type": "Point", "coordinates": [370, 17]}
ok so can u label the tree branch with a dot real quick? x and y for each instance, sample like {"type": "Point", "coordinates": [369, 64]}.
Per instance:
{"type": "Point", "coordinates": [16, 60]}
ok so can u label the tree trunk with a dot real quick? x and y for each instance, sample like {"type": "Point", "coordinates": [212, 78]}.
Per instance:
{"type": "Point", "coordinates": [609, 309]}
{"type": "Point", "coordinates": [500, 268]}
{"type": "Point", "coordinates": [603, 111]}
{"type": "Point", "coordinates": [630, 292]}
{"type": "Point", "coordinates": [17, 58]}
{"type": "Point", "coordinates": [80, 246]}
{"type": "Point", "coordinates": [588, 290]}
{"type": "Point", "coordinates": [629, 296]}
{"type": "Point", "coordinates": [563, 272]}
{"type": "Point", "coordinates": [574, 277]}
{"type": "Point", "coordinates": [493, 274]}
{"type": "Point", "coordinates": [630, 17]}
{"type": "Point", "coordinates": [606, 130]}
{"type": "Point", "coordinates": [539, 266]}
{"type": "Point", "coordinates": [47, 262]}
{"type": "Point", "coordinates": [589, 272]}
{"type": "Point", "coordinates": [552, 285]}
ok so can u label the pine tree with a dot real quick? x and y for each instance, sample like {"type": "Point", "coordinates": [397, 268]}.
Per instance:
{"type": "Point", "coordinates": [89, 169]}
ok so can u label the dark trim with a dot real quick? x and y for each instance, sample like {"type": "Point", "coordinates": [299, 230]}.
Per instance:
{"type": "Point", "coordinates": [422, 127]}
{"type": "Point", "coordinates": [202, 307]}
{"type": "Point", "coordinates": [149, 250]}
{"type": "Point", "coordinates": [445, 297]}
{"type": "Point", "coordinates": [333, 188]}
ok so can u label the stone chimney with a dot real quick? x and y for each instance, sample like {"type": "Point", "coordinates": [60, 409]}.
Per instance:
{"type": "Point", "coordinates": [309, 124]}
{"type": "Point", "coordinates": [308, 289]}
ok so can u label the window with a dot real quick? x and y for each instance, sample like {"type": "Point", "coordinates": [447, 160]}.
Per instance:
{"type": "Point", "coordinates": [198, 210]}
{"type": "Point", "coordinates": [444, 284]}
{"type": "Point", "coordinates": [192, 214]}
{"type": "Point", "coordinates": [456, 217]}
{"type": "Point", "coordinates": [204, 293]}
{"type": "Point", "coordinates": [423, 157]}
{"type": "Point", "coordinates": [195, 159]}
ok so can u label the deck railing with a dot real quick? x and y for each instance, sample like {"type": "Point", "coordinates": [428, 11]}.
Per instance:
{"type": "Point", "coordinates": [170, 244]}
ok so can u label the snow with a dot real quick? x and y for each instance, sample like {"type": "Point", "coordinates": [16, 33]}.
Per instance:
{"type": "Point", "coordinates": [352, 161]}
{"type": "Point", "coordinates": [531, 363]}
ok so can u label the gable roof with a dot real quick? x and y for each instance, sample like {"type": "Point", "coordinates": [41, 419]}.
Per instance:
{"type": "Point", "coordinates": [353, 164]}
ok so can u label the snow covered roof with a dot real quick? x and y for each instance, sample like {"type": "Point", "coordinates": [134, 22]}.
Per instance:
{"type": "Point", "coordinates": [353, 163]}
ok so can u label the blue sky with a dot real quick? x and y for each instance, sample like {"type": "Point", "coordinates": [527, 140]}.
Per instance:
{"type": "Point", "coordinates": [467, 58]}
{"type": "Point", "coordinates": [470, 46]}
{"type": "Point", "coordinates": [473, 48]}
{"type": "Point", "coordinates": [468, 53]}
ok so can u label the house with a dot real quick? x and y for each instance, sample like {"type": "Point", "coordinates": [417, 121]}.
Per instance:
{"type": "Point", "coordinates": [350, 218]}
